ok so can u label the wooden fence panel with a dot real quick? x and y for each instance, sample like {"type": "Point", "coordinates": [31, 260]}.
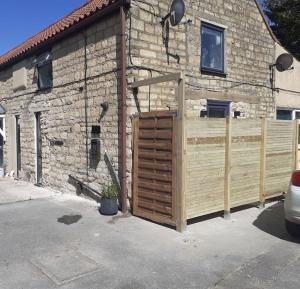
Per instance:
{"type": "Point", "coordinates": [245, 174]}
{"type": "Point", "coordinates": [236, 162]}
{"type": "Point", "coordinates": [205, 166]}
{"type": "Point", "coordinates": [154, 167]}
{"type": "Point", "coordinates": [280, 156]}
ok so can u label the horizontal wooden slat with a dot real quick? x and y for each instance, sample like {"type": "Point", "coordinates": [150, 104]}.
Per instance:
{"type": "Point", "coordinates": [143, 164]}
{"type": "Point", "coordinates": [159, 218]}
{"type": "Point", "coordinates": [167, 198]}
{"type": "Point", "coordinates": [154, 186]}
{"type": "Point", "coordinates": [143, 154]}
{"type": "Point", "coordinates": [158, 134]}
{"type": "Point", "coordinates": [155, 123]}
{"type": "Point", "coordinates": [156, 144]}
{"type": "Point", "coordinates": [155, 207]}
{"type": "Point", "coordinates": [155, 176]}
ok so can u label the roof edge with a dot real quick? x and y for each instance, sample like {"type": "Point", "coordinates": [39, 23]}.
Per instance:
{"type": "Point", "coordinates": [76, 26]}
{"type": "Point", "coordinates": [266, 22]}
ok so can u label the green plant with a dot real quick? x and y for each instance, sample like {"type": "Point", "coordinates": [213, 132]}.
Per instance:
{"type": "Point", "coordinates": [110, 191]}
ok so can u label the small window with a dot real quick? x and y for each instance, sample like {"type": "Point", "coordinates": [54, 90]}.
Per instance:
{"type": "Point", "coordinates": [44, 69]}
{"type": "Point", "coordinates": [218, 109]}
{"type": "Point", "coordinates": [284, 114]}
{"type": "Point", "coordinates": [212, 48]}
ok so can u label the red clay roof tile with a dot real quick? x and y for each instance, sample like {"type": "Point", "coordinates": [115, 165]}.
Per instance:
{"type": "Point", "coordinates": [66, 22]}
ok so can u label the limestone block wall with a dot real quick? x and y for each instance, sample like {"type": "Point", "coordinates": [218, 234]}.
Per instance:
{"type": "Point", "coordinates": [249, 50]}
{"type": "Point", "coordinates": [68, 110]}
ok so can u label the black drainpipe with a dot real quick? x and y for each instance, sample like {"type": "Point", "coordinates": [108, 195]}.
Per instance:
{"type": "Point", "coordinates": [123, 108]}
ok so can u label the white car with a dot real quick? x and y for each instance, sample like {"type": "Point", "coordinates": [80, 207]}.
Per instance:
{"type": "Point", "coordinates": [292, 206]}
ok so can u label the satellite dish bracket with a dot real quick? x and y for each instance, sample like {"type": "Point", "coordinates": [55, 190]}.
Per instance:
{"type": "Point", "coordinates": [164, 19]}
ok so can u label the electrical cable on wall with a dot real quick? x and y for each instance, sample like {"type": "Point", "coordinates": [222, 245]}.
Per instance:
{"type": "Point", "coordinates": [236, 83]}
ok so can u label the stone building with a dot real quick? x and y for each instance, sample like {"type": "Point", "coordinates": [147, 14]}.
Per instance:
{"type": "Point", "coordinates": [66, 91]}
{"type": "Point", "coordinates": [287, 84]}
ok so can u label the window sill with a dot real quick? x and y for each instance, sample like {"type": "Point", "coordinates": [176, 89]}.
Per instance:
{"type": "Point", "coordinates": [207, 71]}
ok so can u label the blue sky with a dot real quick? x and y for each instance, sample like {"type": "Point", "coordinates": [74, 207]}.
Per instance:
{"type": "Point", "coordinates": [20, 19]}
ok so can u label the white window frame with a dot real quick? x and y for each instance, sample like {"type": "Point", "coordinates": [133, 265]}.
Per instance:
{"type": "Point", "coordinates": [294, 118]}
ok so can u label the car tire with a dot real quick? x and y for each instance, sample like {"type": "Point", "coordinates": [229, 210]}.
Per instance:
{"type": "Point", "coordinates": [292, 228]}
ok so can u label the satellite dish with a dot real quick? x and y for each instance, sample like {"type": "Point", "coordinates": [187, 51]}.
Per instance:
{"type": "Point", "coordinates": [284, 62]}
{"type": "Point", "coordinates": [176, 13]}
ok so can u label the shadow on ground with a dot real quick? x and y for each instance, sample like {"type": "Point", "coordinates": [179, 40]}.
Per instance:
{"type": "Point", "coordinates": [272, 221]}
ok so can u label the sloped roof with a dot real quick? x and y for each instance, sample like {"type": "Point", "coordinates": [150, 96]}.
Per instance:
{"type": "Point", "coordinates": [77, 15]}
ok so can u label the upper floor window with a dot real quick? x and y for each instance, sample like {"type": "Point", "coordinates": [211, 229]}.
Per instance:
{"type": "Point", "coordinates": [44, 70]}
{"type": "Point", "coordinates": [212, 48]}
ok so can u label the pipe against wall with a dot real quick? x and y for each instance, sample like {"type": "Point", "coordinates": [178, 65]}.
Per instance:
{"type": "Point", "coordinates": [123, 109]}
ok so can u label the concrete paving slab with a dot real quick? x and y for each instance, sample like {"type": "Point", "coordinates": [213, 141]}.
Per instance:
{"type": "Point", "coordinates": [249, 251]}
{"type": "Point", "coordinates": [22, 274]}
{"type": "Point", "coordinates": [65, 265]}
{"type": "Point", "coordinates": [17, 191]}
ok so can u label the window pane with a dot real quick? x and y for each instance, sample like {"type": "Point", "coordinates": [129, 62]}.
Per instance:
{"type": "Point", "coordinates": [45, 75]}
{"type": "Point", "coordinates": [284, 114]}
{"type": "Point", "coordinates": [212, 52]}
{"type": "Point", "coordinates": [218, 112]}
{"type": "Point", "coordinates": [217, 108]}
{"type": "Point", "coordinates": [297, 115]}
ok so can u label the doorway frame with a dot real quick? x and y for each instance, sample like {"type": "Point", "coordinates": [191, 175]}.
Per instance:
{"type": "Point", "coordinates": [38, 147]}
{"type": "Point", "coordinates": [18, 144]}
{"type": "Point", "coordinates": [3, 133]}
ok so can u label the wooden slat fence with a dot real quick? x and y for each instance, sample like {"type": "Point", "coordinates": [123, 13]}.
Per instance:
{"type": "Point", "coordinates": [235, 162]}
{"type": "Point", "coordinates": [154, 175]}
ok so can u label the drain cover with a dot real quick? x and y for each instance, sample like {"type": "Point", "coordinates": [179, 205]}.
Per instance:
{"type": "Point", "coordinates": [63, 267]}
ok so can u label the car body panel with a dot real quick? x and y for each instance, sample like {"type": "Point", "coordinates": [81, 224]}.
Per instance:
{"type": "Point", "coordinates": [292, 204]}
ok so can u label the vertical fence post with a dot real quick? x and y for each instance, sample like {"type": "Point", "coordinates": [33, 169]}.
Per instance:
{"type": "Point", "coordinates": [262, 163]}
{"type": "Point", "coordinates": [227, 181]}
{"type": "Point", "coordinates": [295, 144]}
{"type": "Point", "coordinates": [181, 157]}
{"type": "Point", "coordinates": [135, 126]}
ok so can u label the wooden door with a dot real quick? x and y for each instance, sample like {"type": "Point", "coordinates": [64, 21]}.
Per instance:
{"type": "Point", "coordinates": [154, 175]}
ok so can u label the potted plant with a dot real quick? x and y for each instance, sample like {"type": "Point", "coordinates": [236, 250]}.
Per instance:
{"type": "Point", "coordinates": [109, 200]}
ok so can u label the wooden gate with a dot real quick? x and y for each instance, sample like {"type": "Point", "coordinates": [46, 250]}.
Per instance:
{"type": "Point", "coordinates": [154, 166]}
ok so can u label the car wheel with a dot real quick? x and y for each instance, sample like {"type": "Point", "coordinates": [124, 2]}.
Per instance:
{"type": "Point", "coordinates": [292, 228]}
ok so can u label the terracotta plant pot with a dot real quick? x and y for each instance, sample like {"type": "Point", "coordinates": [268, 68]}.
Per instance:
{"type": "Point", "coordinates": [109, 207]}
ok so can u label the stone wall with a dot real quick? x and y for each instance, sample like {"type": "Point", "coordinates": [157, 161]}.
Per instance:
{"type": "Point", "coordinates": [66, 108]}
{"type": "Point", "coordinates": [249, 50]}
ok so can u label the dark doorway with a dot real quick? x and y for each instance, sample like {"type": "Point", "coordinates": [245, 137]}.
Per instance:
{"type": "Point", "coordinates": [18, 145]}
{"type": "Point", "coordinates": [1, 140]}
{"type": "Point", "coordinates": [38, 148]}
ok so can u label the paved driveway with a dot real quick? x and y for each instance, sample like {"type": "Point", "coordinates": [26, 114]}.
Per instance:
{"type": "Point", "coordinates": [62, 242]}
